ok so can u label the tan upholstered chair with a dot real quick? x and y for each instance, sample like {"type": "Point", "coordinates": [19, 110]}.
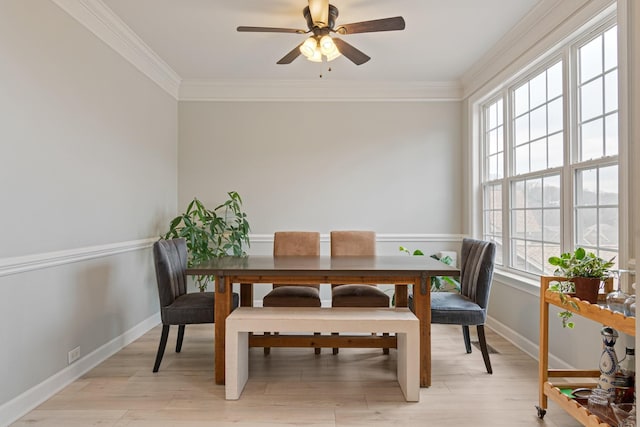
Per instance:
{"type": "Point", "coordinates": [294, 243]}
{"type": "Point", "coordinates": [355, 243]}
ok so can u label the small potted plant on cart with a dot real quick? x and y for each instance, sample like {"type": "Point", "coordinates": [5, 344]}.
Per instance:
{"type": "Point", "coordinates": [584, 273]}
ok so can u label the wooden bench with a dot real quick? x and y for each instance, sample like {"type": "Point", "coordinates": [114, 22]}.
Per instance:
{"type": "Point", "coordinates": [245, 320]}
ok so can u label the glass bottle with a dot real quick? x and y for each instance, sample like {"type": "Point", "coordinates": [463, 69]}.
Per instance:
{"type": "Point", "coordinates": [598, 401]}
{"type": "Point", "coordinates": [630, 306]}
{"type": "Point", "coordinates": [628, 364]}
{"type": "Point", "coordinates": [616, 299]}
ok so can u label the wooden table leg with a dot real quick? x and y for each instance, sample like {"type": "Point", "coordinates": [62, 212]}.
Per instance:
{"type": "Point", "coordinates": [223, 304]}
{"type": "Point", "coordinates": [402, 292]}
{"type": "Point", "coordinates": [422, 310]}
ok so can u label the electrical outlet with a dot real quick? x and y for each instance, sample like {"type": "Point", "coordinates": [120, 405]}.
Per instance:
{"type": "Point", "coordinates": [74, 355]}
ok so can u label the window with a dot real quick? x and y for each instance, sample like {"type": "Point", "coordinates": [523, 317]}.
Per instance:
{"type": "Point", "coordinates": [550, 158]}
{"type": "Point", "coordinates": [537, 122]}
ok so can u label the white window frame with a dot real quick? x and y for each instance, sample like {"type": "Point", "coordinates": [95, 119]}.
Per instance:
{"type": "Point", "coordinates": [568, 54]}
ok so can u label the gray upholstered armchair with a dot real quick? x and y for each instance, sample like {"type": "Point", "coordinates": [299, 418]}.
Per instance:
{"type": "Point", "coordinates": [470, 306]}
{"type": "Point", "coordinates": [177, 307]}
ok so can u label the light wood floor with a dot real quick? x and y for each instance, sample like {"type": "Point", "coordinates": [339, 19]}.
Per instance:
{"type": "Point", "coordinates": [295, 387]}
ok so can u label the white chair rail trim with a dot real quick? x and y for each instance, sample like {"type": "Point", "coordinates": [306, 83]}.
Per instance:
{"type": "Point", "coordinates": [390, 238]}
{"type": "Point", "coordinates": [32, 262]}
{"type": "Point", "coordinates": [22, 264]}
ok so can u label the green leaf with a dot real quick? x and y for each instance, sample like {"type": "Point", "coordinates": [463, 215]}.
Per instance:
{"type": "Point", "coordinates": [554, 260]}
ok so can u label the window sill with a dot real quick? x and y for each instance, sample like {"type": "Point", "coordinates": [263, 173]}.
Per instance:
{"type": "Point", "coordinates": [517, 281]}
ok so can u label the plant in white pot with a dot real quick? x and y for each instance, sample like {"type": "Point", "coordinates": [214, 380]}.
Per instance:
{"type": "Point", "coordinates": [223, 231]}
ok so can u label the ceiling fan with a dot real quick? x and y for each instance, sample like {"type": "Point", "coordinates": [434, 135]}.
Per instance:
{"type": "Point", "coordinates": [321, 19]}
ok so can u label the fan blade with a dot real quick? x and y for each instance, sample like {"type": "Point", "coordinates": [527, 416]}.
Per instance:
{"type": "Point", "coordinates": [386, 24]}
{"type": "Point", "coordinates": [289, 57]}
{"type": "Point", "coordinates": [270, 30]}
{"type": "Point", "coordinates": [319, 10]}
{"type": "Point", "coordinates": [353, 54]}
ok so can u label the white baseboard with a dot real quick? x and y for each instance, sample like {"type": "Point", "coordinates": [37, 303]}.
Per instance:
{"type": "Point", "coordinates": [20, 405]}
{"type": "Point", "coordinates": [529, 347]}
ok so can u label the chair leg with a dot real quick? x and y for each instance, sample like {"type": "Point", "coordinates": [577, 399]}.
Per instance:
{"type": "Point", "coordinates": [335, 349]}
{"type": "Point", "coordinates": [317, 349]}
{"type": "Point", "coordinates": [267, 350]}
{"type": "Point", "coordinates": [483, 347]}
{"type": "Point", "coordinates": [467, 338]}
{"type": "Point", "coordinates": [385, 350]}
{"type": "Point", "coordinates": [180, 338]}
{"type": "Point", "coordinates": [161, 347]}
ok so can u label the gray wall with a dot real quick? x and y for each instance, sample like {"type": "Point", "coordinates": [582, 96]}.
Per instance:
{"type": "Point", "coordinates": [90, 160]}
{"type": "Point", "coordinates": [88, 166]}
{"type": "Point", "coordinates": [386, 166]}
{"type": "Point", "coordinates": [392, 167]}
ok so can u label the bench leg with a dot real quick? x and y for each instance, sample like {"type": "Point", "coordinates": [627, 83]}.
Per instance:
{"type": "Point", "coordinates": [267, 350]}
{"type": "Point", "coordinates": [317, 350]}
{"type": "Point", "coordinates": [385, 350]}
{"type": "Point", "coordinates": [409, 366]}
{"type": "Point", "coordinates": [236, 363]}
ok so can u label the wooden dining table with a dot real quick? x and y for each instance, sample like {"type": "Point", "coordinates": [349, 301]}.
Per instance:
{"type": "Point", "coordinates": [401, 271]}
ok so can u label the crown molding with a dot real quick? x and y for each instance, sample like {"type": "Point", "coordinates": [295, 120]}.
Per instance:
{"type": "Point", "coordinates": [535, 27]}
{"type": "Point", "coordinates": [548, 23]}
{"type": "Point", "coordinates": [326, 90]}
{"type": "Point", "coordinates": [525, 33]}
{"type": "Point", "coordinates": [109, 28]}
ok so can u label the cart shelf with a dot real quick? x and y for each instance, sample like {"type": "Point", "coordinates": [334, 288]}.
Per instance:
{"type": "Point", "coordinates": [551, 390]}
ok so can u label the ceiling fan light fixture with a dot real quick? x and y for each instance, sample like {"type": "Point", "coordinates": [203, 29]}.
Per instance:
{"type": "Point", "coordinates": [321, 19]}
{"type": "Point", "coordinates": [309, 47]}
{"type": "Point", "coordinates": [333, 55]}
{"type": "Point", "coordinates": [327, 45]}
{"type": "Point", "coordinates": [316, 57]}
{"type": "Point", "coordinates": [329, 48]}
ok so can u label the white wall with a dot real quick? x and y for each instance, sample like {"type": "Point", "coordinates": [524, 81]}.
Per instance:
{"type": "Point", "coordinates": [392, 167]}
{"type": "Point", "coordinates": [386, 166]}
{"type": "Point", "coordinates": [88, 172]}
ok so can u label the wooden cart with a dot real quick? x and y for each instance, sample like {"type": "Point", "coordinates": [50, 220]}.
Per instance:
{"type": "Point", "coordinates": [551, 389]}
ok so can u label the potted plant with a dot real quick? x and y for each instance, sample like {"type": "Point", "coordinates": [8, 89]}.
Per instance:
{"type": "Point", "coordinates": [564, 288]}
{"type": "Point", "coordinates": [235, 227]}
{"type": "Point", "coordinates": [584, 270]}
{"type": "Point", "coordinates": [223, 231]}
{"type": "Point", "coordinates": [438, 283]}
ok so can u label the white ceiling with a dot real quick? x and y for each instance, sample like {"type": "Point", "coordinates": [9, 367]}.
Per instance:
{"type": "Point", "coordinates": [198, 38]}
